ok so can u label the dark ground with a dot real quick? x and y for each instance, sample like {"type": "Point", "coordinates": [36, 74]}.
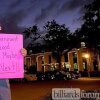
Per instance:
{"type": "Point", "coordinates": [40, 90]}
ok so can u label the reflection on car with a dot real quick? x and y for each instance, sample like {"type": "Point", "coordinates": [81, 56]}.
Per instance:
{"type": "Point", "coordinates": [40, 76]}
{"type": "Point", "coordinates": [53, 75]}
{"type": "Point", "coordinates": [75, 74]}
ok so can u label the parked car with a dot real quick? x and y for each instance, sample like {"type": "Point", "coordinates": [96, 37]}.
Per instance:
{"type": "Point", "coordinates": [61, 75]}
{"type": "Point", "coordinates": [57, 75]}
{"type": "Point", "coordinates": [68, 74]}
{"type": "Point", "coordinates": [79, 73]}
{"type": "Point", "coordinates": [40, 76]}
{"type": "Point", "coordinates": [75, 74]}
{"type": "Point", "coordinates": [53, 75]}
{"type": "Point", "coordinates": [29, 77]}
{"type": "Point", "coordinates": [49, 75]}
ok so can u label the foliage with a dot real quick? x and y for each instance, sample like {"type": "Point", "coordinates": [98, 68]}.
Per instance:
{"type": "Point", "coordinates": [56, 37]}
{"type": "Point", "coordinates": [90, 30]}
{"type": "Point", "coordinates": [32, 33]}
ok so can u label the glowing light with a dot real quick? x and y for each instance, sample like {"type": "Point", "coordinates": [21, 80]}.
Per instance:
{"type": "Point", "coordinates": [86, 56]}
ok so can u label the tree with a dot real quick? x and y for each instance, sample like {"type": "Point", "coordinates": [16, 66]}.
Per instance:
{"type": "Point", "coordinates": [33, 34]}
{"type": "Point", "coordinates": [90, 30]}
{"type": "Point", "coordinates": [56, 38]}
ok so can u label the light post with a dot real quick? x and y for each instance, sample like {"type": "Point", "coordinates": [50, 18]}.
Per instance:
{"type": "Point", "coordinates": [88, 63]}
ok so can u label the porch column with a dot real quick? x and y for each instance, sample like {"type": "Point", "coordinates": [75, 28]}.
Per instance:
{"type": "Point", "coordinates": [62, 61]}
{"type": "Point", "coordinates": [79, 60]}
{"type": "Point", "coordinates": [46, 62]}
{"type": "Point", "coordinates": [70, 60]}
{"type": "Point", "coordinates": [39, 63]}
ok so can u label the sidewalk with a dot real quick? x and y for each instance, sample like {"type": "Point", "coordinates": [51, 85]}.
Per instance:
{"type": "Point", "coordinates": [90, 78]}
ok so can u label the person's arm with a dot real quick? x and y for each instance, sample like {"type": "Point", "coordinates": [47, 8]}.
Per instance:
{"type": "Point", "coordinates": [23, 52]}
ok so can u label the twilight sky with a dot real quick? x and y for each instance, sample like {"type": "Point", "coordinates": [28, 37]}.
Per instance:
{"type": "Point", "coordinates": [16, 15]}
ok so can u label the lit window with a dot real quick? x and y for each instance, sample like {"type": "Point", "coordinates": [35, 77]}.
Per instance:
{"type": "Point", "coordinates": [43, 60]}
{"type": "Point", "coordinates": [75, 66]}
{"type": "Point", "coordinates": [74, 55]}
{"type": "Point", "coordinates": [84, 65]}
{"type": "Point", "coordinates": [82, 44]}
{"type": "Point", "coordinates": [30, 51]}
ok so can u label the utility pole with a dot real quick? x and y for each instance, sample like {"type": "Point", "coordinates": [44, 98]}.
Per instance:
{"type": "Point", "coordinates": [88, 61]}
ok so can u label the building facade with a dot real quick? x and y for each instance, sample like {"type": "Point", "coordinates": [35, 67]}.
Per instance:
{"type": "Point", "coordinates": [82, 59]}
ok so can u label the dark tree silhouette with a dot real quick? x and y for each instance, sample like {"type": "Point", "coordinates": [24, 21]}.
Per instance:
{"type": "Point", "coordinates": [56, 39]}
{"type": "Point", "coordinates": [32, 33]}
{"type": "Point", "coordinates": [90, 30]}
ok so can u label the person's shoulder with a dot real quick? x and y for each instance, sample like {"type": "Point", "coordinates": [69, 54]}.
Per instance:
{"type": "Point", "coordinates": [4, 83]}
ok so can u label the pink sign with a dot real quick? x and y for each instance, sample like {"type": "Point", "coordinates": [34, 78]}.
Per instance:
{"type": "Point", "coordinates": [11, 60]}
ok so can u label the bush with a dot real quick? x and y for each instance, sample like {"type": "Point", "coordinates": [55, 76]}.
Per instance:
{"type": "Point", "coordinates": [32, 69]}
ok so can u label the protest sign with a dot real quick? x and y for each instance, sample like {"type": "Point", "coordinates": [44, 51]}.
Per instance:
{"type": "Point", "coordinates": [11, 60]}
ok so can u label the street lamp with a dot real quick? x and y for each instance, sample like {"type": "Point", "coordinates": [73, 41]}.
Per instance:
{"type": "Point", "coordinates": [88, 63]}
{"type": "Point", "coordinates": [86, 56]}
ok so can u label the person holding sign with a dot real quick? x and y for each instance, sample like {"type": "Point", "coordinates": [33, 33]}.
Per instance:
{"type": "Point", "coordinates": [4, 83]}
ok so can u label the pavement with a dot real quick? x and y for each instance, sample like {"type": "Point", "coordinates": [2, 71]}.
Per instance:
{"type": "Point", "coordinates": [42, 90]}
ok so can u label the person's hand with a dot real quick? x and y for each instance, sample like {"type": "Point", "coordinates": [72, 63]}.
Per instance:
{"type": "Point", "coordinates": [23, 51]}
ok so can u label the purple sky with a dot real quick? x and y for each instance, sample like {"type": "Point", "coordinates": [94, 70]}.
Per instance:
{"type": "Point", "coordinates": [16, 15]}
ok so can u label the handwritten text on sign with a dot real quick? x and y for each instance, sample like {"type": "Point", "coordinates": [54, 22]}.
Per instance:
{"type": "Point", "coordinates": [11, 60]}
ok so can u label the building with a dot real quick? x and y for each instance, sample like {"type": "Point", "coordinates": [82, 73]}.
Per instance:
{"type": "Point", "coordinates": [43, 61]}
{"type": "Point", "coordinates": [83, 59]}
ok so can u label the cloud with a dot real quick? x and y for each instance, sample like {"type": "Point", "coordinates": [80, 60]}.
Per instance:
{"type": "Point", "coordinates": [13, 12]}
{"type": "Point", "coordinates": [57, 8]}
{"type": "Point", "coordinates": [81, 12]}
{"type": "Point", "coordinates": [78, 20]}
{"type": "Point", "coordinates": [72, 5]}
{"type": "Point", "coordinates": [45, 13]}
{"type": "Point", "coordinates": [15, 4]}
{"type": "Point", "coordinates": [10, 22]}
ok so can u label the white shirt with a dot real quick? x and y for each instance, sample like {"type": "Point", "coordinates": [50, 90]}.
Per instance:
{"type": "Point", "coordinates": [5, 89]}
